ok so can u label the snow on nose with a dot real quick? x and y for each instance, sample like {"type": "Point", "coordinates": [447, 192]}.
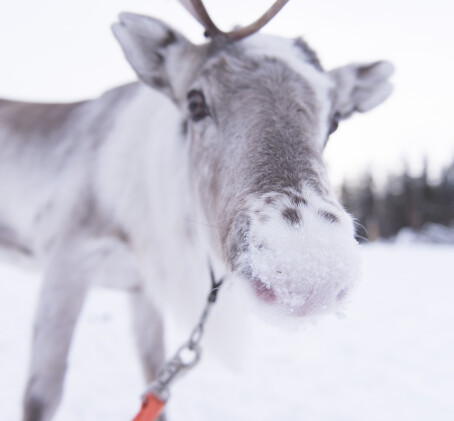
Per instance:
{"type": "Point", "coordinates": [302, 260]}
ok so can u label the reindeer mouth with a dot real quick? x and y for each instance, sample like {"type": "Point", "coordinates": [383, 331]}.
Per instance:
{"type": "Point", "coordinates": [265, 292]}
{"type": "Point", "coordinates": [298, 300]}
{"type": "Point", "coordinates": [268, 295]}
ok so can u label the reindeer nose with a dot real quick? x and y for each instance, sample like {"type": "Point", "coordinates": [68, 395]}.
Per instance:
{"type": "Point", "coordinates": [301, 259]}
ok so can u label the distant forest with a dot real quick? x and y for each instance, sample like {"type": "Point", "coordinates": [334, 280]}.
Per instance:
{"type": "Point", "coordinates": [405, 201]}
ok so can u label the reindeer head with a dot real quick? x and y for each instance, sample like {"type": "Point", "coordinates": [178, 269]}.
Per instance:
{"type": "Point", "coordinates": [258, 112]}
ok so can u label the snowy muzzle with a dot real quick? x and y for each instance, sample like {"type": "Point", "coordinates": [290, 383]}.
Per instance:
{"type": "Point", "coordinates": [299, 269]}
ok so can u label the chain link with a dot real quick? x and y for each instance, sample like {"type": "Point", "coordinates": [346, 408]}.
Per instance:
{"type": "Point", "coordinates": [188, 355]}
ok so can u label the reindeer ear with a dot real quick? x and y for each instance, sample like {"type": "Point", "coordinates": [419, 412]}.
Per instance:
{"type": "Point", "coordinates": [155, 51]}
{"type": "Point", "coordinates": [361, 87]}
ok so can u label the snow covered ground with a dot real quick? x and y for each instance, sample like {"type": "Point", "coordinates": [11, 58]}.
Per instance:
{"type": "Point", "coordinates": [391, 358]}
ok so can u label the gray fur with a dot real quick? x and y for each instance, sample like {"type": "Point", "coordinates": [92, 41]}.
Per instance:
{"type": "Point", "coordinates": [309, 53]}
{"type": "Point", "coordinates": [11, 241]}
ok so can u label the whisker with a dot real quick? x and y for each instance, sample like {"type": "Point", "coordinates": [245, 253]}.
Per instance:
{"type": "Point", "coordinates": [201, 223]}
{"type": "Point", "coordinates": [366, 240]}
{"type": "Point", "coordinates": [222, 219]}
{"type": "Point", "coordinates": [359, 225]}
{"type": "Point", "coordinates": [209, 224]}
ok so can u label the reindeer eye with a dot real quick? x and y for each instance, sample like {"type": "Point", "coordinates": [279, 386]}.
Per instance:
{"type": "Point", "coordinates": [197, 105]}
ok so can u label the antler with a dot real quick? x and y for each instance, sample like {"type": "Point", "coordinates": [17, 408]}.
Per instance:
{"type": "Point", "coordinates": [198, 10]}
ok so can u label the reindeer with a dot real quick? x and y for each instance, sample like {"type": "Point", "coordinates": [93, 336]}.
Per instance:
{"type": "Point", "coordinates": [228, 134]}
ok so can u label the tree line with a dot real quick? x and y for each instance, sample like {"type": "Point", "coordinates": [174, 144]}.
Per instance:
{"type": "Point", "coordinates": [404, 201]}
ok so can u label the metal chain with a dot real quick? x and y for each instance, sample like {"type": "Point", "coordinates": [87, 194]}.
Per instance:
{"type": "Point", "coordinates": [188, 355]}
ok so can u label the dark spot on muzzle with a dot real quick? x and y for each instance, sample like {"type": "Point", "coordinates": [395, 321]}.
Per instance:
{"type": "Point", "coordinates": [330, 217]}
{"type": "Point", "coordinates": [297, 200]}
{"type": "Point", "coordinates": [270, 200]}
{"type": "Point", "coordinates": [292, 216]}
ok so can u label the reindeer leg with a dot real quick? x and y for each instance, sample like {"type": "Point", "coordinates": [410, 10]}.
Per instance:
{"type": "Point", "coordinates": [71, 271]}
{"type": "Point", "coordinates": [148, 329]}
{"type": "Point", "coordinates": [61, 299]}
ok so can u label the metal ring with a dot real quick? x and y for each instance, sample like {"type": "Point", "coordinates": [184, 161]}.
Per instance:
{"type": "Point", "coordinates": [196, 335]}
{"type": "Point", "coordinates": [194, 350]}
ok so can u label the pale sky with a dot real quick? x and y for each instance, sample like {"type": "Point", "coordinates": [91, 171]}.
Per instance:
{"type": "Point", "coordinates": [54, 50]}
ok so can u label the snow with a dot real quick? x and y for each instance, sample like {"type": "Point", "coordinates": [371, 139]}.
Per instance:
{"type": "Point", "coordinates": [429, 233]}
{"type": "Point", "coordinates": [391, 358]}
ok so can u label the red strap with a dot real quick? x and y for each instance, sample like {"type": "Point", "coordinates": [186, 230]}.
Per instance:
{"type": "Point", "coordinates": [151, 408]}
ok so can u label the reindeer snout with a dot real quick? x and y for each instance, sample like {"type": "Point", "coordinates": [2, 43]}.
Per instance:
{"type": "Point", "coordinates": [301, 262]}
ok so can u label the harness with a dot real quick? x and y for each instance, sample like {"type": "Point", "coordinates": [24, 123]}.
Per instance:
{"type": "Point", "coordinates": [188, 355]}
